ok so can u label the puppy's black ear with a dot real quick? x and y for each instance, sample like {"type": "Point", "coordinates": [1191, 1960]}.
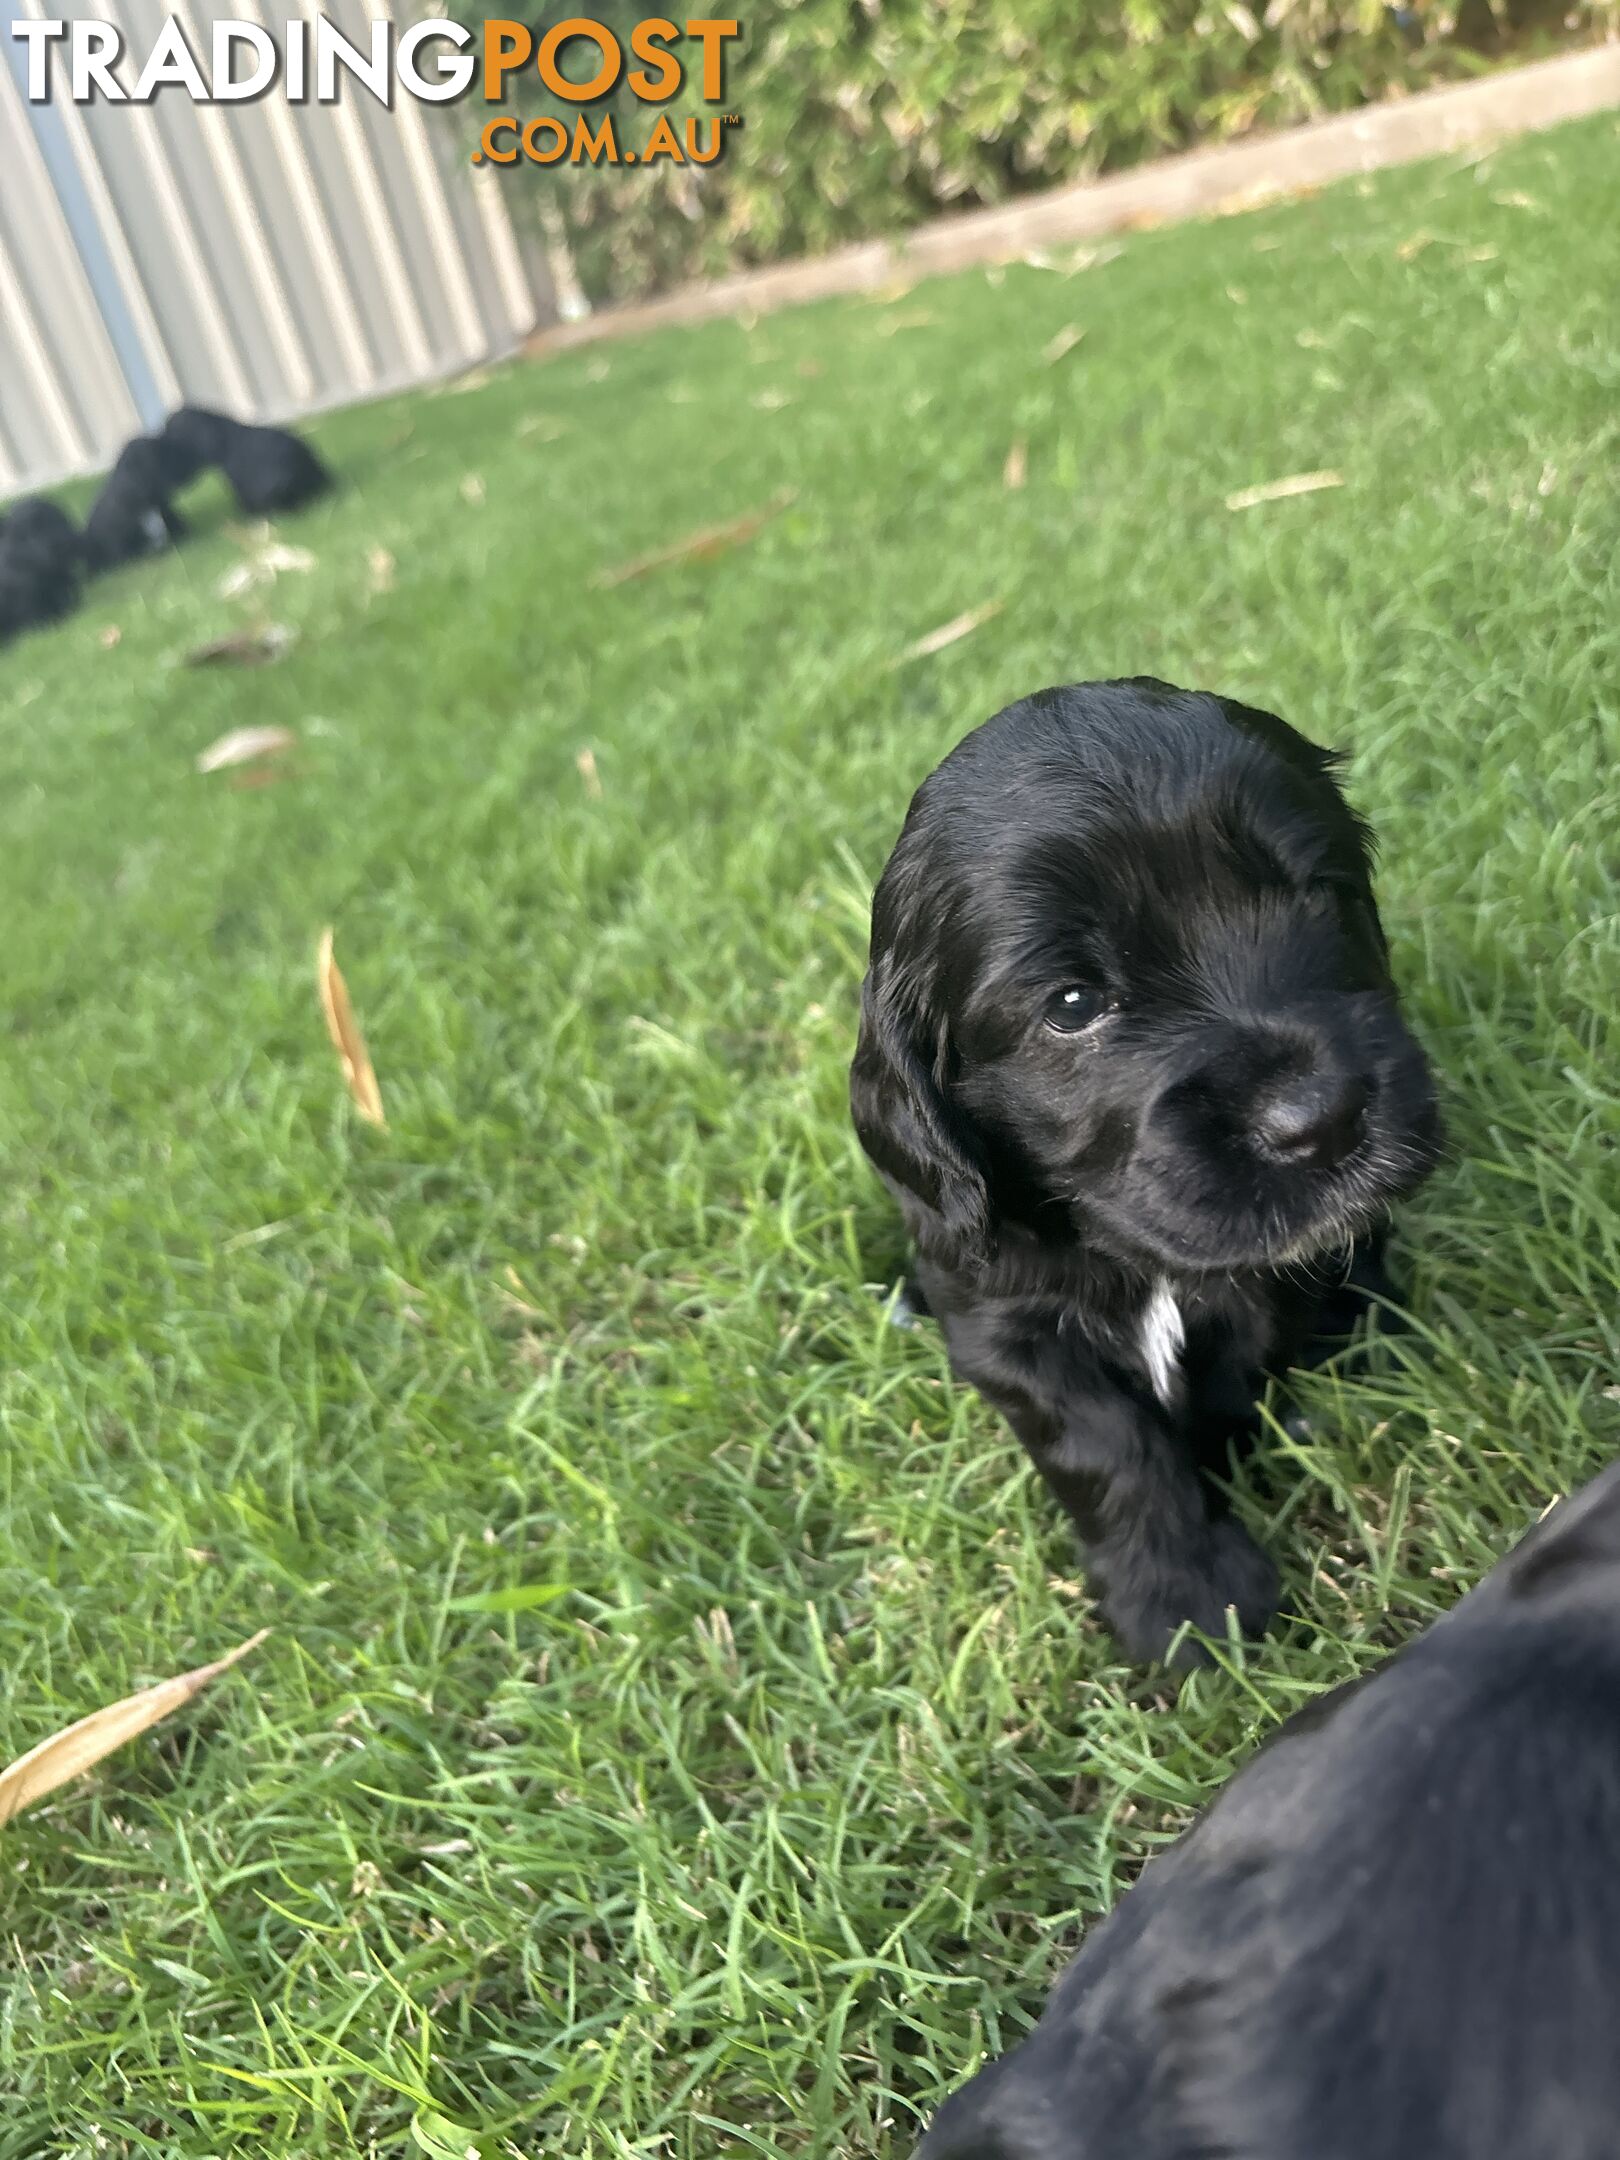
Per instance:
{"type": "Point", "coordinates": [1319, 770]}
{"type": "Point", "coordinates": [903, 1116]}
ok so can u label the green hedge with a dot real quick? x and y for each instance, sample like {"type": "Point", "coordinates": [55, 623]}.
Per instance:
{"type": "Point", "coordinates": [865, 116]}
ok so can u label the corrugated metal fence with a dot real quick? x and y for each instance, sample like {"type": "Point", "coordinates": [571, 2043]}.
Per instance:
{"type": "Point", "coordinates": [265, 258]}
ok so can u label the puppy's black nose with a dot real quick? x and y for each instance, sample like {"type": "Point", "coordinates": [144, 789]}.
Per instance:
{"type": "Point", "coordinates": [1316, 1122]}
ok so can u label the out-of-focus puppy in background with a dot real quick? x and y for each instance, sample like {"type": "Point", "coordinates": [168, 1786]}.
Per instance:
{"type": "Point", "coordinates": [1130, 1056]}
{"type": "Point", "coordinates": [1394, 1936]}
{"type": "Point", "coordinates": [268, 469]}
{"type": "Point", "coordinates": [39, 565]}
{"type": "Point", "coordinates": [134, 514]}
{"type": "Point", "coordinates": [42, 555]}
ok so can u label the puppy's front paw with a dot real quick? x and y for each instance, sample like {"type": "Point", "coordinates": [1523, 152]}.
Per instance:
{"type": "Point", "coordinates": [1149, 1597]}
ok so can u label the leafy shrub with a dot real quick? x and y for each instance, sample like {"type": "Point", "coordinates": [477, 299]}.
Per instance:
{"type": "Point", "coordinates": [865, 116]}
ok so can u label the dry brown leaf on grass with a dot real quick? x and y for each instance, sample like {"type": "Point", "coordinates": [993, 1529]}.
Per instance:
{"type": "Point", "coordinates": [696, 546]}
{"type": "Point", "coordinates": [267, 560]}
{"type": "Point", "coordinates": [109, 636]}
{"type": "Point", "coordinates": [586, 762]}
{"type": "Point", "coordinates": [380, 567]}
{"type": "Point", "coordinates": [1093, 258]}
{"type": "Point", "coordinates": [1300, 483]}
{"type": "Point", "coordinates": [278, 556]}
{"type": "Point", "coordinates": [347, 1040]}
{"type": "Point", "coordinates": [68, 1754]}
{"type": "Point", "coordinates": [236, 581]}
{"type": "Point", "coordinates": [244, 648]}
{"type": "Point", "coordinates": [245, 746]}
{"type": "Point", "coordinates": [519, 1297]}
{"type": "Point", "coordinates": [1066, 340]}
{"type": "Point", "coordinates": [1016, 470]}
{"type": "Point", "coordinates": [960, 626]}
{"type": "Point", "coordinates": [1410, 250]}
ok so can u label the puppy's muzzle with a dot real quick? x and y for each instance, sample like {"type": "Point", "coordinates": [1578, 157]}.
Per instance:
{"type": "Point", "coordinates": [1296, 1094]}
{"type": "Point", "coordinates": [1316, 1122]}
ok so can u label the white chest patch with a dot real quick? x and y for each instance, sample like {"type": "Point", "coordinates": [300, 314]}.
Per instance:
{"type": "Point", "coordinates": [1162, 1334]}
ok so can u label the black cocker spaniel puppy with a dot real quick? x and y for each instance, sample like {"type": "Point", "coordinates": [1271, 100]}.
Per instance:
{"type": "Point", "coordinates": [1131, 1059]}
{"type": "Point", "coordinates": [134, 514]}
{"type": "Point", "coordinates": [268, 469]}
{"type": "Point", "coordinates": [1394, 1936]}
{"type": "Point", "coordinates": [39, 565]}
{"type": "Point", "coordinates": [42, 554]}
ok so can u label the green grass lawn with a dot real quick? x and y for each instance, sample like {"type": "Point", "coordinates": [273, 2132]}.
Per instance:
{"type": "Point", "coordinates": [757, 1836]}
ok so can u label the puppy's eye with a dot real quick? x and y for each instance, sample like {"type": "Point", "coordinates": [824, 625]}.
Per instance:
{"type": "Point", "coordinates": [1068, 1011]}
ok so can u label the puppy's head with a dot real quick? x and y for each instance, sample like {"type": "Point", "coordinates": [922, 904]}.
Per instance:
{"type": "Point", "coordinates": [193, 438]}
{"type": "Point", "coordinates": [148, 470]}
{"type": "Point", "coordinates": [1128, 982]}
{"type": "Point", "coordinates": [40, 534]}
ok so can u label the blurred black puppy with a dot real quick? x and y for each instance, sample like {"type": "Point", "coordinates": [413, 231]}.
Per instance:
{"type": "Point", "coordinates": [133, 515]}
{"type": "Point", "coordinates": [1394, 1936]}
{"type": "Point", "coordinates": [39, 565]}
{"type": "Point", "coordinates": [269, 470]}
{"type": "Point", "coordinates": [1131, 1059]}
